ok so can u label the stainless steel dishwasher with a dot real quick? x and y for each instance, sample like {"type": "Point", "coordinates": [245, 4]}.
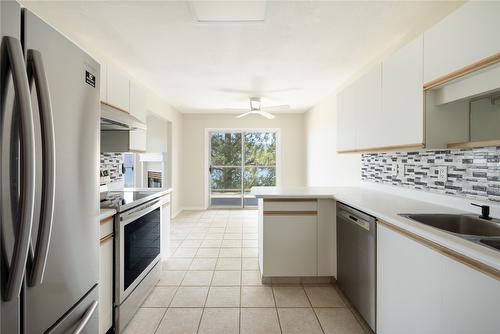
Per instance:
{"type": "Point", "coordinates": [356, 252]}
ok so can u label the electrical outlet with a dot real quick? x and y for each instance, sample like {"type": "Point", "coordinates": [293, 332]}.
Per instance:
{"type": "Point", "coordinates": [401, 170]}
{"type": "Point", "coordinates": [394, 169]}
{"type": "Point", "coordinates": [440, 173]}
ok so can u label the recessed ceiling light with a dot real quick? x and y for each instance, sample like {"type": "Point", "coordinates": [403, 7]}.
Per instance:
{"type": "Point", "coordinates": [228, 11]}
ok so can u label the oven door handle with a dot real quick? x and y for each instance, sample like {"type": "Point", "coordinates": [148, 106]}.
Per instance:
{"type": "Point", "coordinates": [139, 212]}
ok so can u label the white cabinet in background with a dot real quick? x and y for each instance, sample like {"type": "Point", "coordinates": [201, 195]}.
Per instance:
{"type": "Point", "coordinates": [297, 237]}
{"type": "Point", "coordinates": [118, 89]}
{"type": "Point", "coordinates": [420, 290]}
{"type": "Point", "coordinates": [468, 35]}
{"type": "Point", "coordinates": [104, 83]}
{"type": "Point", "coordinates": [402, 121]}
{"type": "Point", "coordinates": [106, 276]}
{"type": "Point", "coordinates": [165, 225]}
{"type": "Point", "coordinates": [369, 109]}
{"type": "Point", "coordinates": [138, 110]}
{"type": "Point", "coordinates": [290, 245]}
{"type": "Point", "coordinates": [347, 118]}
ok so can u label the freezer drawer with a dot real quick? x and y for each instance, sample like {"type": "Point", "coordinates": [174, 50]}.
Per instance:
{"type": "Point", "coordinates": [81, 319]}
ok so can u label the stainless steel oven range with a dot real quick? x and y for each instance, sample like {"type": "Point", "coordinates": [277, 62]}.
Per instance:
{"type": "Point", "coordinates": [137, 250]}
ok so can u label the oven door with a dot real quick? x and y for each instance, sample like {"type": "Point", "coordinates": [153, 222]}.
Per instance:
{"type": "Point", "coordinates": [137, 248]}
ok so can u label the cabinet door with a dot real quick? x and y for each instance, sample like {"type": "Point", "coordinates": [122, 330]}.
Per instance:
{"type": "Point", "coordinates": [402, 96]}
{"type": "Point", "coordinates": [346, 119]}
{"type": "Point", "coordinates": [138, 101]}
{"type": "Point", "coordinates": [137, 141]}
{"type": "Point", "coordinates": [369, 109]}
{"type": "Point", "coordinates": [408, 285]}
{"type": "Point", "coordinates": [104, 83]}
{"type": "Point", "coordinates": [118, 89]}
{"type": "Point", "coordinates": [165, 227]}
{"type": "Point", "coordinates": [470, 300]}
{"type": "Point", "coordinates": [106, 285]}
{"type": "Point", "coordinates": [466, 36]}
{"type": "Point", "coordinates": [290, 246]}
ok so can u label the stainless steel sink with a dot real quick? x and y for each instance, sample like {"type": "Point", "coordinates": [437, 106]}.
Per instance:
{"type": "Point", "coordinates": [469, 227]}
{"type": "Point", "coordinates": [494, 243]}
{"type": "Point", "coordinates": [459, 224]}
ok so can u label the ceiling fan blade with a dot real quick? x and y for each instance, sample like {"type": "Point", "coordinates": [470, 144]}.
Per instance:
{"type": "Point", "coordinates": [266, 114]}
{"type": "Point", "coordinates": [235, 110]}
{"type": "Point", "coordinates": [276, 108]}
{"type": "Point", "coordinates": [245, 114]}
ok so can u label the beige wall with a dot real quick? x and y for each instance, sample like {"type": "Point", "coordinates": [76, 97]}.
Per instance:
{"type": "Point", "coordinates": [292, 149]}
{"type": "Point", "coordinates": [324, 167]}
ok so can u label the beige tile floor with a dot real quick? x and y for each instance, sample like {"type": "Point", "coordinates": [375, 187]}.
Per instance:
{"type": "Point", "coordinates": [211, 284]}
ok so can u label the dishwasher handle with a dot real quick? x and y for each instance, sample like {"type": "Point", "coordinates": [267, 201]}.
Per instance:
{"type": "Point", "coordinates": [356, 220]}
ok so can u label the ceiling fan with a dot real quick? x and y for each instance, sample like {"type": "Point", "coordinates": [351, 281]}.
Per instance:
{"type": "Point", "coordinates": [257, 109]}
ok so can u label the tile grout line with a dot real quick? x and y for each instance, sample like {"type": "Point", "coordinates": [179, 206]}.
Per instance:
{"type": "Point", "coordinates": [313, 310]}
{"type": "Point", "coordinates": [276, 308]}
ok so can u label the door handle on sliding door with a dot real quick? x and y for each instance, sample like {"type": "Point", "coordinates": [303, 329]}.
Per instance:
{"type": "Point", "coordinates": [36, 75]}
{"type": "Point", "coordinates": [15, 61]}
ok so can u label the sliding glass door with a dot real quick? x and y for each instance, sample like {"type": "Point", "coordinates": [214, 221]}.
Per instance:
{"type": "Point", "coordinates": [240, 160]}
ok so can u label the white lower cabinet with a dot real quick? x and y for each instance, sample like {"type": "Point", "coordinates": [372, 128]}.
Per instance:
{"type": "Point", "coordinates": [408, 285]}
{"type": "Point", "coordinates": [165, 226]}
{"type": "Point", "coordinates": [470, 300]}
{"type": "Point", "coordinates": [290, 246]}
{"type": "Point", "coordinates": [419, 290]}
{"type": "Point", "coordinates": [106, 285]}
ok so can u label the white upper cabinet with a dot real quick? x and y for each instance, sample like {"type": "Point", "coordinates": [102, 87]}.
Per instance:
{"type": "Point", "coordinates": [402, 97]}
{"type": "Point", "coordinates": [346, 119]}
{"type": "Point", "coordinates": [104, 83]}
{"type": "Point", "coordinates": [138, 109]}
{"type": "Point", "coordinates": [468, 35]}
{"type": "Point", "coordinates": [118, 89]}
{"type": "Point", "coordinates": [138, 101]}
{"type": "Point", "coordinates": [369, 109]}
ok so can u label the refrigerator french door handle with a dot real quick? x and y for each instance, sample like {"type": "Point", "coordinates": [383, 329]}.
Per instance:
{"type": "Point", "coordinates": [36, 75]}
{"type": "Point", "coordinates": [27, 192]}
{"type": "Point", "coordinates": [86, 317]}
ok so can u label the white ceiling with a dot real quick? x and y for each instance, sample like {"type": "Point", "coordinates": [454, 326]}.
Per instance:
{"type": "Point", "coordinates": [301, 52]}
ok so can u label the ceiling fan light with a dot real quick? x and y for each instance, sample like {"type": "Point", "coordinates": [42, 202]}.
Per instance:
{"type": "Point", "coordinates": [255, 104]}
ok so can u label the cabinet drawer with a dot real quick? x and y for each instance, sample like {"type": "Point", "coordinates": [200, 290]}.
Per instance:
{"type": "Point", "coordinates": [290, 246]}
{"type": "Point", "coordinates": [288, 206]}
{"type": "Point", "coordinates": [106, 227]}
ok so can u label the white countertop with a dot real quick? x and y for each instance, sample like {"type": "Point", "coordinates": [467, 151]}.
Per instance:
{"type": "Point", "coordinates": [106, 213]}
{"type": "Point", "coordinates": [386, 207]}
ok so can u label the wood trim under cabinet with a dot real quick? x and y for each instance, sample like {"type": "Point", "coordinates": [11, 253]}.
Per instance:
{"type": "Point", "coordinates": [463, 71]}
{"type": "Point", "coordinates": [107, 220]}
{"type": "Point", "coordinates": [454, 255]}
{"type": "Point", "coordinates": [106, 238]}
{"type": "Point", "coordinates": [281, 200]}
{"type": "Point", "coordinates": [115, 107]}
{"type": "Point", "coordinates": [290, 213]}
{"type": "Point", "coordinates": [472, 144]}
{"type": "Point", "coordinates": [133, 150]}
{"type": "Point", "coordinates": [384, 148]}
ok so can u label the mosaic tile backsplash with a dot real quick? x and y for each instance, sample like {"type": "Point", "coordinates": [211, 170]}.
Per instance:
{"type": "Point", "coordinates": [113, 162]}
{"type": "Point", "coordinates": [473, 173]}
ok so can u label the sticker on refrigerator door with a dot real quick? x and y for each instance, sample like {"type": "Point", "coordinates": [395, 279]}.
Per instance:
{"type": "Point", "coordinates": [90, 78]}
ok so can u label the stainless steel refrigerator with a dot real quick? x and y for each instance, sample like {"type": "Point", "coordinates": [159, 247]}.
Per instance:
{"type": "Point", "coordinates": [49, 142]}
